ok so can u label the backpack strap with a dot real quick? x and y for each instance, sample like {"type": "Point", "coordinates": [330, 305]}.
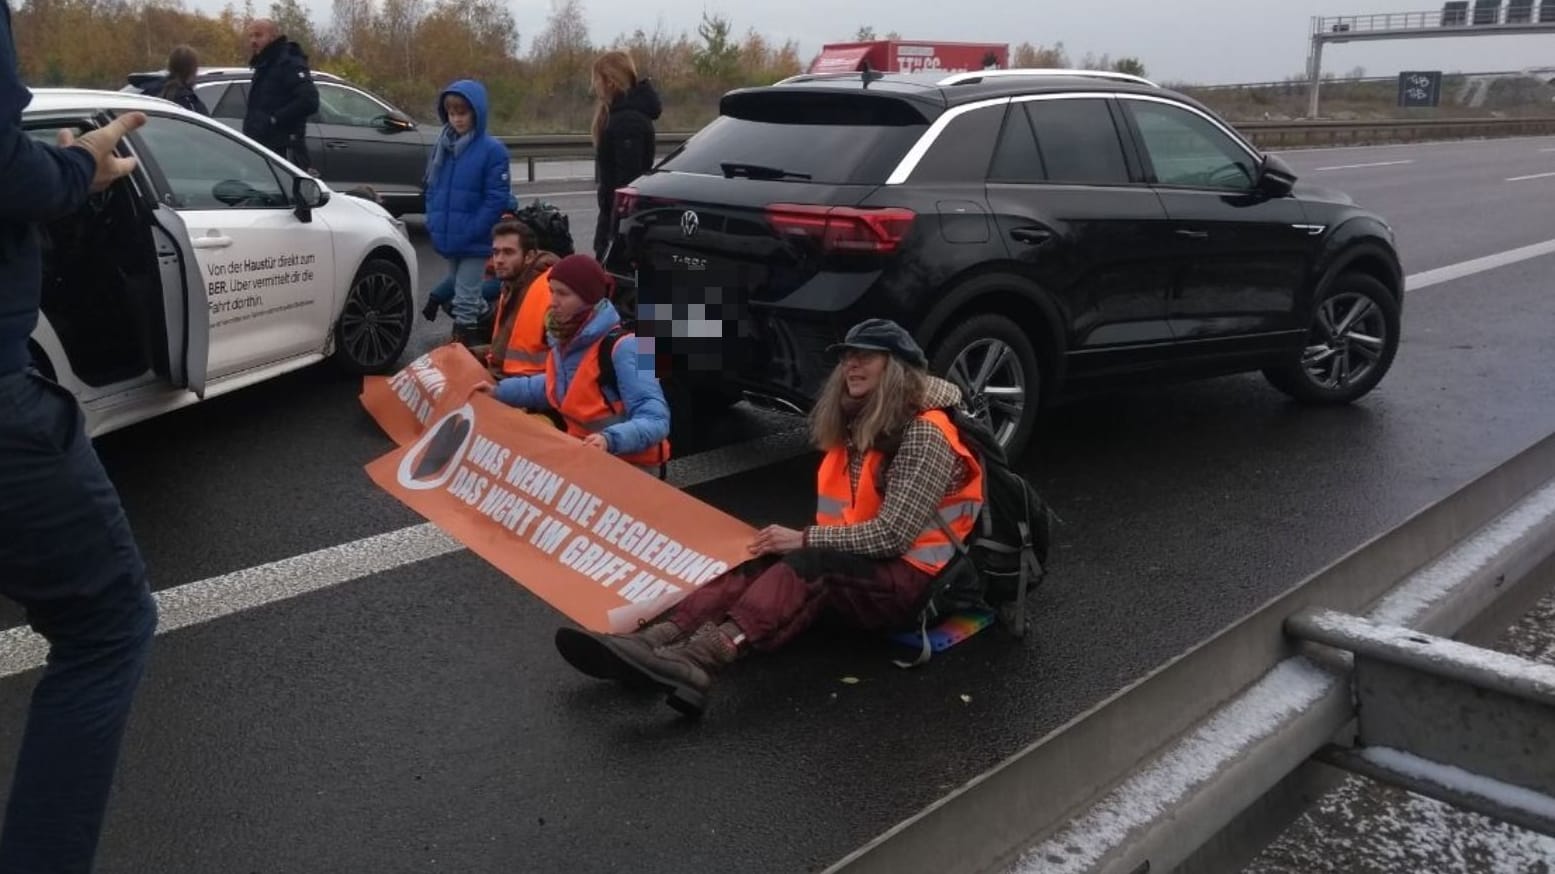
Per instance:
{"type": "Point", "coordinates": [607, 364]}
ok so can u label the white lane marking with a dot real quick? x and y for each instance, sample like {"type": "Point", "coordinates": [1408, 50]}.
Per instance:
{"type": "Point", "coordinates": [1359, 166]}
{"type": "Point", "coordinates": [1531, 176]}
{"type": "Point", "coordinates": [193, 603]}
{"type": "Point", "coordinates": [1451, 272]}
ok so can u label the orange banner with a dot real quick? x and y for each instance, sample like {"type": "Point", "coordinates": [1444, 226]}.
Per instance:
{"type": "Point", "coordinates": [596, 538]}
{"type": "Point", "coordinates": [403, 403]}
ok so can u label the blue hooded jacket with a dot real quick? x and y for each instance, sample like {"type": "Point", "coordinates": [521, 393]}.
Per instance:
{"type": "Point", "coordinates": [469, 184]}
{"type": "Point", "coordinates": [648, 415]}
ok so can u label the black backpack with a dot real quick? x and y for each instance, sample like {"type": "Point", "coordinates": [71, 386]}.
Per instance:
{"type": "Point", "coordinates": [553, 230]}
{"type": "Point", "coordinates": [1007, 555]}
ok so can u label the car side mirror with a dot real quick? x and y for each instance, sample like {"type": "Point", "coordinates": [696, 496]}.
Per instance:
{"type": "Point", "coordinates": [309, 195]}
{"type": "Point", "coordinates": [1275, 177]}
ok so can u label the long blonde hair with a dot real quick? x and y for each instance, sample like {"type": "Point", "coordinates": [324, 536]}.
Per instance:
{"type": "Point", "coordinates": [614, 74]}
{"type": "Point", "coordinates": [885, 412]}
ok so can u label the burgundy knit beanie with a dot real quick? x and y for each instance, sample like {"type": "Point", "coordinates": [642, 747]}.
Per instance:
{"type": "Point", "coordinates": [584, 276]}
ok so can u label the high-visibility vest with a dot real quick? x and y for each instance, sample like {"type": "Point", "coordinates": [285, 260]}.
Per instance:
{"type": "Point", "coordinates": [523, 351]}
{"type": "Point", "coordinates": [837, 504]}
{"type": "Point", "coordinates": [586, 410]}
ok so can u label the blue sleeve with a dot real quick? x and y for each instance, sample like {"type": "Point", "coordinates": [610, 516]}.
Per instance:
{"type": "Point", "coordinates": [498, 187]}
{"type": "Point", "coordinates": [527, 392]}
{"type": "Point", "coordinates": [648, 414]}
{"type": "Point", "coordinates": [37, 182]}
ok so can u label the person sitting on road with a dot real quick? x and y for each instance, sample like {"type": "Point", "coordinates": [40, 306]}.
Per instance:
{"type": "Point", "coordinates": [603, 395]}
{"type": "Point", "coordinates": [894, 468]}
{"type": "Point", "coordinates": [519, 345]}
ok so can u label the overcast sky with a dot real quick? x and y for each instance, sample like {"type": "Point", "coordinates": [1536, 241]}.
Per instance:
{"type": "Point", "coordinates": [1206, 41]}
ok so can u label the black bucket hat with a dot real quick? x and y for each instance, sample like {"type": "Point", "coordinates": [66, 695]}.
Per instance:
{"type": "Point", "coordinates": [883, 335]}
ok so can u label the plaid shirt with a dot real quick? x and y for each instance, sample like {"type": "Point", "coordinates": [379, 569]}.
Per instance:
{"type": "Point", "coordinates": [924, 470]}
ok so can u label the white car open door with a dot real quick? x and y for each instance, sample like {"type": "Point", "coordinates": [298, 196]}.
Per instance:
{"type": "Point", "coordinates": [184, 303]}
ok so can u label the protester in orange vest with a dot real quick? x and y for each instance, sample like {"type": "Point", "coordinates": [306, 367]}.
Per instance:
{"type": "Point", "coordinates": [518, 342]}
{"type": "Point", "coordinates": [894, 469]}
{"type": "Point", "coordinates": [623, 413]}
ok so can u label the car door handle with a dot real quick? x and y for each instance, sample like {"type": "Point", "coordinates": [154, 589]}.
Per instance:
{"type": "Point", "coordinates": [1193, 235]}
{"type": "Point", "coordinates": [337, 144]}
{"type": "Point", "coordinates": [212, 241]}
{"type": "Point", "coordinates": [1031, 235]}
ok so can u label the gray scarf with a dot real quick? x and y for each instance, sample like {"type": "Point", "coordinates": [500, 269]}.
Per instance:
{"type": "Point", "coordinates": [448, 143]}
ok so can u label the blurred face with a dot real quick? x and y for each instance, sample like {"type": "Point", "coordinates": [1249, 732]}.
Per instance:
{"type": "Point", "coordinates": [508, 256]}
{"type": "Point", "coordinates": [460, 116]}
{"type": "Point", "coordinates": [565, 303]}
{"type": "Point", "coordinates": [862, 370]}
{"type": "Point", "coordinates": [260, 35]}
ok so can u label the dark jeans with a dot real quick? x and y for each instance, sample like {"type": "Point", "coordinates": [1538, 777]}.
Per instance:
{"type": "Point", "coordinates": [67, 556]}
{"type": "Point", "coordinates": [773, 600]}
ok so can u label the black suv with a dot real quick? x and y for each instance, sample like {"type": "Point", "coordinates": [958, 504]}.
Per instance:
{"type": "Point", "coordinates": [356, 137]}
{"type": "Point", "coordinates": [1040, 232]}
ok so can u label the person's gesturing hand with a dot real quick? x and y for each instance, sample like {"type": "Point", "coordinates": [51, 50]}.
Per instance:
{"type": "Point", "coordinates": [101, 144]}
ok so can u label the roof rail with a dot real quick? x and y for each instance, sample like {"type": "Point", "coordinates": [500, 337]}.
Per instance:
{"type": "Point", "coordinates": [975, 75]}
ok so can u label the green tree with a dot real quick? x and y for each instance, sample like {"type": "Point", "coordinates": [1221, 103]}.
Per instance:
{"type": "Point", "coordinates": [1131, 66]}
{"type": "Point", "coordinates": [719, 56]}
{"type": "Point", "coordinates": [293, 20]}
{"type": "Point", "coordinates": [865, 34]}
{"type": "Point", "coordinates": [1031, 57]}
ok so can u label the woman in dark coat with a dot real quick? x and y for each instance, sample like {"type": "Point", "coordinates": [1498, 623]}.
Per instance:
{"type": "Point", "coordinates": [623, 134]}
{"type": "Point", "coordinates": [183, 65]}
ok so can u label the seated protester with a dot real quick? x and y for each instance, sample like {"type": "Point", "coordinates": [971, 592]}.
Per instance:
{"type": "Point", "coordinates": [894, 469]}
{"type": "Point", "coordinates": [624, 414]}
{"type": "Point", "coordinates": [518, 342]}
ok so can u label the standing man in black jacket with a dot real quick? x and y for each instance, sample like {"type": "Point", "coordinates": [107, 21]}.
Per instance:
{"type": "Point", "coordinates": [66, 552]}
{"type": "Point", "coordinates": [282, 96]}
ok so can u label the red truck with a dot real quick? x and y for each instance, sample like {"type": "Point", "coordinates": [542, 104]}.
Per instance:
{"type": "Point", "coordinates": [910, 56]}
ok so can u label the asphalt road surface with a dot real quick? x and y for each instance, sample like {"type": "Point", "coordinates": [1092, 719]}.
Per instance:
{"type": "Point", "coordinates": [417, 718]}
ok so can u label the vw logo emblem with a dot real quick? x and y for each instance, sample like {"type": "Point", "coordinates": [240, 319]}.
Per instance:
{"type": "Point", "coordinates": [689, 223]}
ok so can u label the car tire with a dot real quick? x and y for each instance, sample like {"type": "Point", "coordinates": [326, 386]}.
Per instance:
{"type": "Point", "coordinates": [962, 356]}
{"type": "Point", "coordinates": [1325, 369]}
{"type": "Point", "coordinates": [376, 322]}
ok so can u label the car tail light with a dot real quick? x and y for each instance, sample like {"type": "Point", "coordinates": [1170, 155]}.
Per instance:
{"type": "Point", "coordinates": [626, 202]}
{"type": "Point", "coordinates": [843, 229]}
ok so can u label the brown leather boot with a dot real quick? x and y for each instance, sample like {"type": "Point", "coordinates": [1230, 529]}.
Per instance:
{"type": "Point", "coordinates": [685, 671]}
{"type": "Point", "coordinates": [595, 654]}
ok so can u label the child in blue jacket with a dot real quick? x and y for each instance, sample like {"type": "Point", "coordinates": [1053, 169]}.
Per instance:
{"type": "Point", "coordinates": [467, 187]}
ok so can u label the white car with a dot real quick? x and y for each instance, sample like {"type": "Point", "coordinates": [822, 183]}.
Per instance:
{"type": "Point", "coordinates": [215, 266]}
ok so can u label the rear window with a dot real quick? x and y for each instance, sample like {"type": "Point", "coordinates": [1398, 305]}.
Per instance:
{"type": "Point", "coordinates": [834, 140]}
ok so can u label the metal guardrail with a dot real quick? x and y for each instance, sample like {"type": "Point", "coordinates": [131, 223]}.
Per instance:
{"type": "Point", "coordinates": [1264, 134]}
{"type": "Point", "coordinates": [1202, 762]}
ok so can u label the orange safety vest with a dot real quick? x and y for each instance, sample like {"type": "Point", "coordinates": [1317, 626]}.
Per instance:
{"type": "Point", "coordinates": [586, 410]}
{"type": "Point", "coordinates": [837, 504]}
{"type": "Point", "coordinates": [524, 349]}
